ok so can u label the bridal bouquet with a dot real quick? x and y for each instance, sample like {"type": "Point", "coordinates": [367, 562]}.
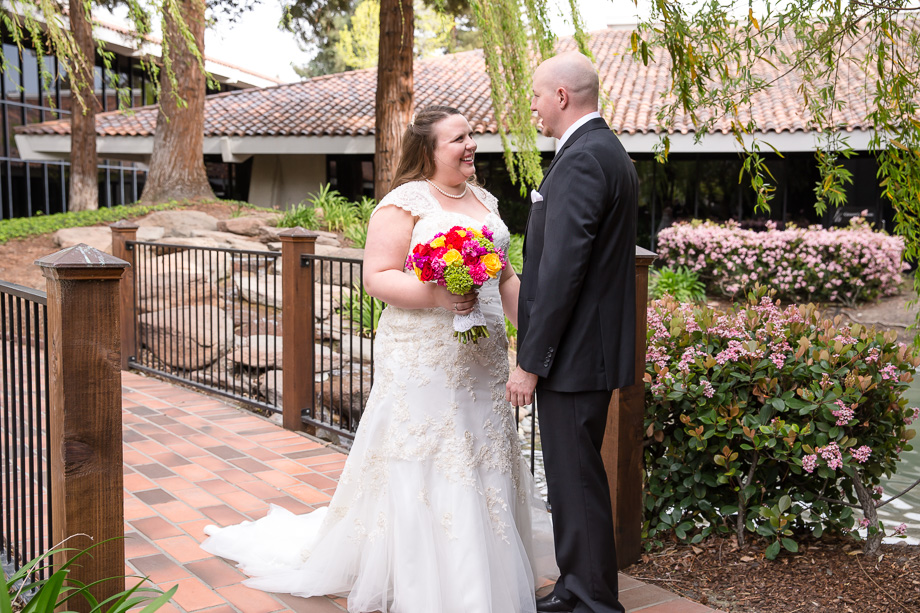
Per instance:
{"type": "Point", "coordinates": [461, 259]}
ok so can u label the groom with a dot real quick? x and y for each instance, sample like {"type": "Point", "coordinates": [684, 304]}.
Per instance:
{"type": "Point", "coordinates": [576, 316]}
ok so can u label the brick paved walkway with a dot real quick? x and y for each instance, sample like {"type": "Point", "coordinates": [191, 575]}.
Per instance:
{"type": "Point", "coordinates": [193, 460]}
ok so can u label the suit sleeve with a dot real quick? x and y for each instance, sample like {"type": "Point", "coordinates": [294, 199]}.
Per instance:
{"type": "Point", "coordinates": [575, 203]}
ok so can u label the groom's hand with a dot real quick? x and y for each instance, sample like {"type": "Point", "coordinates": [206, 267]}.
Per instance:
{"type": "Point", "coordinates": [520, 387]}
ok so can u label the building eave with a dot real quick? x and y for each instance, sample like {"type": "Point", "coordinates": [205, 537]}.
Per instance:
{"type": "Point", "coordinates": [43, 147]}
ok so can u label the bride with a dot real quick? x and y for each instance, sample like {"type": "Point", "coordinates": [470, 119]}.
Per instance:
{"type": "Point", "coordinates": [435, 511]}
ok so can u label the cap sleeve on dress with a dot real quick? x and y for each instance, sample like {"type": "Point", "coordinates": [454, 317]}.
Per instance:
{"type": "Point", "coordinates": [412, 197]}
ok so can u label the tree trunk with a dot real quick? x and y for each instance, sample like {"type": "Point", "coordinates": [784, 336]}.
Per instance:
{"type": "Point", "coordinates": [395, 88]}
{"type": "Point", "coordinates": [177, 164]}
{"type": "Point", "coordinates": [874, 533]}
{"type": "Point", "coordinates": [84, 173]}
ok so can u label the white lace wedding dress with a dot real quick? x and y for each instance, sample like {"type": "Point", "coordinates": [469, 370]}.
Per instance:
{"type": "Point", "coordinates": [435, 511]}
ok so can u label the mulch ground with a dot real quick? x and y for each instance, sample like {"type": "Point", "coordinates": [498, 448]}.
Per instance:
{"type": "Point", "coordinates": [823, 576]}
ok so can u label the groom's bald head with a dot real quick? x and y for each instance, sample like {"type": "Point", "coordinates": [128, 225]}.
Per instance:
{"type": "Point", "coordinates": [565, 89]}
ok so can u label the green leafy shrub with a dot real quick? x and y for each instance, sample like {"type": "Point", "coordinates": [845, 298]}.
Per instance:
{"type": "Point", "coordinates": [681, 283]}
{"type": "Point", "coordinates": [770, 421]}
{"type": "Point", "coordinates": [46, 595]}
{"type": "Point", "coordinates": [22, 227]}
{"type": "Point", "coordinates": [356, 230]}
{"type": "Point", "coordinates": [516, 252]}
{"type": "Point", "coordinates": [516, 258]}
{"type": "Point", "coordinates": [338, 212]}
{"type": "Point", "coordinates": [365, 207]}
{"type": "Point", "coordinates": [363, 310]}
{"type": "Point", "coordinates": [302, 215]}
{"type": "Point", "coordinates": [357, 234]}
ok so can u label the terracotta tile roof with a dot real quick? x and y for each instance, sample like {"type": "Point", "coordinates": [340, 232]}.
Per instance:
{"type": "Point", "coordinates": [343, 104]}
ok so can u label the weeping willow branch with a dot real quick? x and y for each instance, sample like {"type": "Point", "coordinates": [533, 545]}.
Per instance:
{"type": "Point", "coordinates": [721, 54]}
{"type": "Point", "coordinates": [515, 38]}
{"type": "Point", "coordinates": [44, 26]}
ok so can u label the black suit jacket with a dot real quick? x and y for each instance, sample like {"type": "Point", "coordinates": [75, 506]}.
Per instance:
{"type": "Point", "coordinates": [577, 309]}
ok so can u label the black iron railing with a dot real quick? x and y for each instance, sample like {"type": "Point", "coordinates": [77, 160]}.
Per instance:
{"type": "Point", "coordinates": [25, 478]}
{"type": "Point", "coordinates": [210, 317]}
{"type": "Point", "coordinates": [346, 321]}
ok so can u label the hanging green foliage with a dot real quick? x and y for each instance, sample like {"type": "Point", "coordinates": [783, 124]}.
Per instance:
{"type": "Point", "coordinates": [724, 54]}
{"type": "Point", "coordinates": [515, 38]}
{"type": "Point", "coordinates": [43, 25]}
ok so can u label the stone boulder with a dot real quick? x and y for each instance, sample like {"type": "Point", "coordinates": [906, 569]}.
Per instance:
{"type": "Point", "coordinates": [266, 290]}
{"type": "Point", "coordinates": [340, 273]}
{"type": "Point", "coordinates": [249, 225]}
{"type": "Point", "coordinates": [268, 234]}
{"type": "Point", "coordinates": [356, 347]}
{"type": "Point", "coordinates": [187, 338]}
{"type": "Point", "coordinates": [222, 375]}
{"type": "Point", "coordinates": [259, 351]}
{"type": "Point", "coordinates": [228, 240]}
{"type": "Point", "coordinates": [150, 234]}
{"type": "Point", "coordinates": [326, 361]}
{"type": "Point", "coordinates": [259, 289]}
{"type": "Point", "coordinates": [330, 239]}
{"type": "Point", "coordinates": [345, 395]}
{"type": "Point", "coordinates": [179, 279]}
{"type": "Point", "coordinates": [271, 387]}
{"type": "Point", "coordinates": [271, 383]}
{"type": "Point", "coordinates": [180, 223]}
{"type": "Point", "coordinates": [99, 237]}
{"type": "Point", "coordinates": [94, 236]}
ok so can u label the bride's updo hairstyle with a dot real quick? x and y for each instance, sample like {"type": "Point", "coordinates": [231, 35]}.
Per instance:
{"type": "Point", "coordinates": [416, 160]}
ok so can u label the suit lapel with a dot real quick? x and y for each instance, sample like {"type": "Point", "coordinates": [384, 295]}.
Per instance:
{"type": "Point", "coordinates": [594, 124]}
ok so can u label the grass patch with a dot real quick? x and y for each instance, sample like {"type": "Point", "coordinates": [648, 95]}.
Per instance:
{"type": "Point", "coordinates": [24, 227]}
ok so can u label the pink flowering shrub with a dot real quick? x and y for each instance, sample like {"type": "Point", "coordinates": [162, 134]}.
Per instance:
{"type": "Point", "coordinates": [769, 420]}
{"type": "Point", "coordinates": [846, 265]}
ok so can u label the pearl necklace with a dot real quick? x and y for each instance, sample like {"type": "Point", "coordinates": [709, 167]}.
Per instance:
{"type": "Point", "coordinates": [448, 194]}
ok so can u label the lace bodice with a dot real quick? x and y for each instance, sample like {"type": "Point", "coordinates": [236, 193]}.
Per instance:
{"type": "Point", "coordinates": [416, 198]}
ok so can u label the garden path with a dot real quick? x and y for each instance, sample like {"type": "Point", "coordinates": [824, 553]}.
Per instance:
{"type": "Point", "coordinates": [192, 460]}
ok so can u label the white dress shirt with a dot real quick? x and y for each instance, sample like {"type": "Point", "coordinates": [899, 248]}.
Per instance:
{"type": "Point", "coordinates": [578, 123]}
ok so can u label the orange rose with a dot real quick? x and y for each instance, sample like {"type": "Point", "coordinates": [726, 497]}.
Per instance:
{"type": "Point", "coordinates": [493, 263]}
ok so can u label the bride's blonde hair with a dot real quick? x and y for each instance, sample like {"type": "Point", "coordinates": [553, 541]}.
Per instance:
{"type": "Point", "coordinates": [416, 159]}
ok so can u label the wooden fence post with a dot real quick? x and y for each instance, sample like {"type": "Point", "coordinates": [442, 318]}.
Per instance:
{"type": "Point", "coordinates": [622, 450]}
{"type": "Point", "coordinates": [87, 490]}
{"type": "Point", "coordinates": [299, 329]}
{"type": "Point", "coordinates": [122, 232]}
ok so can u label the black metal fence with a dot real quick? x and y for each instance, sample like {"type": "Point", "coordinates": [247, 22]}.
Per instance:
{"type": "Point", "coordinates": [25, 478]}
{"type": "Point", "coordinates": [346, 321]}
{"type": "Point", "coordinates": [210, 317]}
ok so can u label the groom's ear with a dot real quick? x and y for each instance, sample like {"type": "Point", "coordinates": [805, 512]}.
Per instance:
{"type": "Point", "coordinates": [562, 97]}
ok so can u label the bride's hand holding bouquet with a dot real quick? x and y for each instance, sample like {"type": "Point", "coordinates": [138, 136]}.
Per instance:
{"type": "Point", "coordinates": [461, 260]}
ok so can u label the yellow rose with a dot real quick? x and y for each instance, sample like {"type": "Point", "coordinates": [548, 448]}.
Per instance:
{"type": "Point", "coordinates": [452, 256]}
{"type": "Point", "coordinates": [438, 242]}
{"type": "Point", "coordinates": [477, 233]}
{"type": "Point", "coordinates": [461, 233]}
{"type": "Point", "coordinates": [493, 263]}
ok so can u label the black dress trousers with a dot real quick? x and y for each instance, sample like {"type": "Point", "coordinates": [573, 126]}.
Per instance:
{"type": "Point", "coordinates": [572, 428]}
